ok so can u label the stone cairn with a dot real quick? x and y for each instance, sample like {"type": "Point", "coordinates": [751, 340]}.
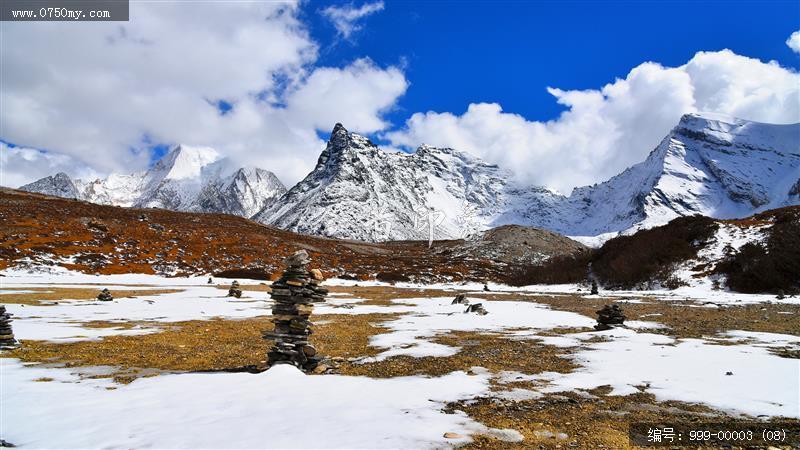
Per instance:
{"type": "Point", "coordinates": [476, 308]}
{"type": "Point", "coordinates": [594, 288]}
{"type": "Point", "coordinates": [210, 281]}
{"type": "Point", "coordinates": [608, 317]}
{"type": "Point", "coordinates": [105, 295]}
{"type": "Point", "coordinates": [294, 294]}
{"type": "Point", "coordinates": [461, 299]}
{"type": "Point", "coordinates": [234, 290]}
{"type": "Point", "coordinates": [6, 335]}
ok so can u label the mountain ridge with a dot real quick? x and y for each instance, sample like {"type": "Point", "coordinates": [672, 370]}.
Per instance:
{"type": "Point", "coordinates": [707, 164]}
{"type": "Point", "coordinates": [187, 178]}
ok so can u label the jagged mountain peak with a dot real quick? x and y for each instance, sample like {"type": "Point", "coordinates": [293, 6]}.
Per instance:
{"type": "Point", "coordinates": [187, 178]}
{"type": "Point", "coordinates": [184, 161]}
{"type": "Point", "coordinates": [60, 185]}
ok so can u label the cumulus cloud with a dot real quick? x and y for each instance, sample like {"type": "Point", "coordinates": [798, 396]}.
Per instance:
{"type": "Point", "coordinates": [794, 41]}
{"type": "Point", "coordinates": [605, 130]}
{"type": "Point", "coordinates": [102, 93]}
{"type": "Point", "coordinates": [30, 164]}
{"type": "Point", "coordinates": [345, 18]}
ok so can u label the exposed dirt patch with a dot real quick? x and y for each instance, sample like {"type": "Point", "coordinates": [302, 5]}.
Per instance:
{"type": "Point", "coordinates": [685, 319]}
{"type": "Point", "coordinates": [491, 351]}
{"type": "Point", "coordinates": [46, 296]}
{"type": "Point", "coordinates": [583, 420]}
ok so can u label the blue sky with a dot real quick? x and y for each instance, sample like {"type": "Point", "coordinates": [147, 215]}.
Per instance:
{"type": "Point", "coordinates": [456, 53]}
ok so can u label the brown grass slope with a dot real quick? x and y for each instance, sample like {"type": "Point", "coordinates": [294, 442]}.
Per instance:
{"type": "Point", "coordinates": [86, 237]}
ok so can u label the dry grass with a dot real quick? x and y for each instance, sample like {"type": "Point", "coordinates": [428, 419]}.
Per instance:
{"type": "Point", "coordinates": [589, 420]}
{"type": "Point", "coordinates": [44, 296]}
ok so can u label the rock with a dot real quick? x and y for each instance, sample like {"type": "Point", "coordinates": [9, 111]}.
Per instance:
{"type": "Point", "coordinates": [105, 295]}
{"type": "Point", "coordinates": [780, 295]}
{"type": "Point", "coordinates": [293, 295]}
{"type": "Point", "coordinates": [461, 299]}
{"type": "Point", "coordinates": [297, 259]}
{"type": "Point", "coordinates": [485, 287]}
{"type": "Point", "coordinates": [234, 290]}
{"type": "Point", "coordinates": [321, 368]}
{"type": "Point", "coordinates": [451, 435]}
{"type": "Point", "coordinates": [6, 335]}
{"type": "Point", "coordinates": [594, 288]}
{"type": "Point", "coordinates": [728, 373]}
{"type": "Point", "coordinates": [317, 274]}
{"type": "Point", "coordinates": [210, 281]}
{"type": "Point", "coordinates": [476, 308]}
{"type": "Point", "coordinates": [608, 317]}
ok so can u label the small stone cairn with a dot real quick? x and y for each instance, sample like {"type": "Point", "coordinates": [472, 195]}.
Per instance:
{"type": "Point", "coordinates": [210, 281]}
{"type": "Point", "coordinates": [461, 299]}
{"type": "Point", "coordinates": [294, 294]}
{"type": "Point", "coordinates": [105, 295]}
{"type": "Point", "coordinates": [594, 288]}
{"type": "Point", "coordinates": [6, 335]}
{"type": "Point", "coordinates": [608, 317]}
{"type": "Point", "coordinates": [234, 290]}
{"type": "Point", "coordinates": [476, 308]}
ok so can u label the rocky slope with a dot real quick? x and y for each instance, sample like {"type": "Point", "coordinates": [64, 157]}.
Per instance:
{"type": "Point", "coordinates": [185, 179]}
{"type": "Point", "coordinates": [358, 191]}
{"type": "Point", "coordinates": [47, 231]}
{"type": "Point", "coordinates": [710, 165]}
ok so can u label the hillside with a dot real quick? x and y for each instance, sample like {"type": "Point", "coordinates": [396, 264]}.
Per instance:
{"type": "Point", "coordinates": [757, 254]}
{"type": "Point", "coordinates": [40, 230]}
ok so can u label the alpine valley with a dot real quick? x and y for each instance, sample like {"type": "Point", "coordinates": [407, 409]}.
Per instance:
{"type": "Point", "coordinates": [709, 165]}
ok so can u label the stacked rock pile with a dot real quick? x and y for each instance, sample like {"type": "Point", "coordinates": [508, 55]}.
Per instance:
{"type": "Point", "coordinates": [594, 290]}
{"type": "Point", "coordinates": [234, 290]}
{"type": "Point", "coordinates": [476, 308]}
{"type": "Point", "coordinates": [105, 295]}
{"type": "Point", "coordinates": [608, 317]}
{"type": "Point", "coordinates": [461, 299]}
{"type": "Point", "coordinates": [294, 294]}
{"type": "Point", "coordinates": [6, 335]}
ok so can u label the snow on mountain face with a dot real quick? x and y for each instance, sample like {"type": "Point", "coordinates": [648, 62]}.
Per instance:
{"type": "Point", "coordinates": [358, 191]}
{"type": "Point", "coordinates": [59, 185]}
{"type": "Point", "coordinates": [185, 179]}
{"type": "Point", "coordinates": [711, 165]}
{"type": "Point", "coordinates": [243, 193]}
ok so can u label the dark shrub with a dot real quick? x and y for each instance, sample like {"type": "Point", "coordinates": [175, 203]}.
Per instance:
{"type": "Point", "coordinates": [650, 255]}
{"type": "Point", "coordinates": [556, 270]}
{"type": "Point", "coordinates": [769, 267]}
{"type": "Point", "coordinates": [391, 277]}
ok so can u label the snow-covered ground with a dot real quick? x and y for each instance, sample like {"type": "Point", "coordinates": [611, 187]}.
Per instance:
{"type": "Point", "coordinates": [284, 408]}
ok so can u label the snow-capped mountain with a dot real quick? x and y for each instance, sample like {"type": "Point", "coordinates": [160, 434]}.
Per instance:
{"type": "Point", "coordinates": [185, 179]}
{"type": "Point", "coordinates": [708, 164]}
{"type": "Point", "coordinates": [358, 191]}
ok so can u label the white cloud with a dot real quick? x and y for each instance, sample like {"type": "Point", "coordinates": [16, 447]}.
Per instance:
{"type": "Point", "coordinates": [606, 130]}
{"type": "Point", "coordinates": [98, 92]}
{"type": "Point", "coordinates": [29, 165]}
{"type": "Point", "coordinates": [794, 42]}
{"type": "Point", "coordinates": [345, 18]}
